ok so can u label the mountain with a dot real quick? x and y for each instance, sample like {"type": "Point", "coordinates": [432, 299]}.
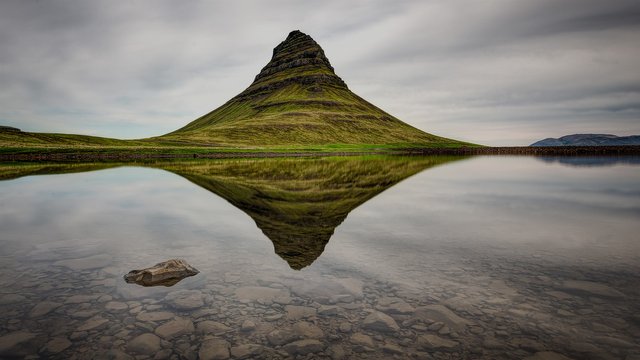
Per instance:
{"type": "Point", "coordinates": [297, 99]}
{"type": "Point", "coordinates": [296, 102]}
{"type": "Point", "coordinates": [590, 140]}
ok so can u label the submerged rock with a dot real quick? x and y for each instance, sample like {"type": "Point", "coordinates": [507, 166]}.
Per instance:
{"type": "Point", "coordinates": [590, 288]}
{"type": "Point", "coordinates": [430, 342]}
{"type": "Point", "coordinates": [57, 345]}
{"type": "Point", "coordinates": [16, 343]}
{"type": "Point", "coordinates": [86, 263]}
{"type": "Point", "coordinates": [547, 355]}
{"type": "Point", "coordinates": [214, 349]}
{"type": "Point", "coordinates": [247, 351]}
{"type": "Point", "coordinates": [145, 344]}
{"type": "Point", "coordinates": [304, 347]}
{"type": "Point", "coordinates": [260, 293]}
{"type": "Point", "coordinates": [378, 321]}
{"type": "Point", "coordinates": [440, 313]}
{"type": "Point", "coordinates": [167, 273]}
{"type": "Point", "coordinates": [43, 308]}
{"type": "Point", "coordinates": [175, 328]}
{"type": "Point", "coordinates": [185, 299]}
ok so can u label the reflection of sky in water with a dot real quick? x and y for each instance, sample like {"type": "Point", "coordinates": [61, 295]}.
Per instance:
{"type": "Point", "coordinates": [509, 205]}
{"type": "Point", "coordinates": [123, 210]}
{"type": "Point", "coordinates": [500, 240]}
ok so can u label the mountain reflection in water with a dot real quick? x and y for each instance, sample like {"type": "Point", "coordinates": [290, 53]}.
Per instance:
{"type": "Point", "coordinates": [591, 161]}
{"type": "Point", "coordinates": [296, 203]}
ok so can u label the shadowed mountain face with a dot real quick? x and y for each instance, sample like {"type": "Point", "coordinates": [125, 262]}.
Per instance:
{"type": "Point", "coordinates": [297, 203]}
{"type": "Point", "coordinates": [297, 99]}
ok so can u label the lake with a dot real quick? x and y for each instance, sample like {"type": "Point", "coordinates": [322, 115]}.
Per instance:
{"type": "Point", "coordinates": [375, 257]}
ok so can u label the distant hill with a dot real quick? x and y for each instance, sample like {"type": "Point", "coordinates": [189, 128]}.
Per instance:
{"type": "Point", "coordinates": [590, 140]}
{"type": "Point", "coordinates": [4, 128]}
{"type": "Point", "coordinates": [297, 99]}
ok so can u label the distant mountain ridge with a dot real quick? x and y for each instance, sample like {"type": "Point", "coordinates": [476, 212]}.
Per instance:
{"type": "Point", "coordinates": [590, 140]}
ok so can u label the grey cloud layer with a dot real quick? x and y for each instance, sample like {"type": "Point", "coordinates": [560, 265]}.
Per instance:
{"type": "Point", "coordinates": [495, 72]}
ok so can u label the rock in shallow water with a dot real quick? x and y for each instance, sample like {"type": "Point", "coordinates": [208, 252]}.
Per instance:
{"type": "Point", "coordinates": [281, 336]}
{"type": "Point", "coordinates": [57, 345]}
{"type": "Point", "coordinates": [303, 347]}
{"type": "Point", "coordinates": [212, 327]}
{"type": "Point", "coordinates": [154, 316]}
{"type": "Point", "coordinates": [185, 299]}
{"type": "Point", "coordinates": [547, 355]}
{"type": "Point", "coordinates": [378, 321]}
{"type": "Point", "coordinates": [166, 273]}
{"type": "Point", "coordinates": [362, 340]}
{"type": "Point", "coordinates": [145, 344]}
{"type": "Point", "coordinates": [11, 299]}
{"type": "Point", "coordinates": [260, 293]}
{"type": "Point", "coordinates": [590, 288]}
{"type": "Point", "coordinates": [93, 323]}
{"type": "Point", "coordinates": [43, 308]}
{"type": "Point", "coordinates": [442, 314]}
{"type": "Point", "coordinates": [13, 344]}
{"type": "Point", "coordinates": [214, 349]}
{"type": "Point", "coordinates": [248, 325]}
{"type": "Point", "coordinates": [430, 342]}
{"type": "Point", "coordinates": [175, 328]}
{"type": "Point", "coordinates": [87, 263]}
{"type": "Point", "coordinates": [295, 312]}
{"type": "Point", "coordinates": [247, 351]}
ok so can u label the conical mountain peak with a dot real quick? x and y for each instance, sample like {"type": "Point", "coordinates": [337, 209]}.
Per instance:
{"type": "Point", "coordinates": [298, 59]}
{"type": "Point", "coordinates": [297, 50]}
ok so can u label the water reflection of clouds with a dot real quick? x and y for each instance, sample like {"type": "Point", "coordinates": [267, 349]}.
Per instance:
{"type": "Point", "coordinates": [123, 208]}
{"type": "Point", "coordinates": [591, 161]}
{"type": "Point", "coordinates": [517, 205]}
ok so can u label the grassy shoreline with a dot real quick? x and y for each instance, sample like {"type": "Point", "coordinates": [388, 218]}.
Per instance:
{"type": "Point", "coordinates": [75, 153]}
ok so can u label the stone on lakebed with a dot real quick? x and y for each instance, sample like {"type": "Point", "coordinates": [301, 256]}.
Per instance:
{"type": "Point", "coordinates": [166, 273]}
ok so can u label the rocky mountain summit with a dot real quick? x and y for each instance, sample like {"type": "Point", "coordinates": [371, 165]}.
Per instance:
{"type": "Point", "coordinates": [298, 59]}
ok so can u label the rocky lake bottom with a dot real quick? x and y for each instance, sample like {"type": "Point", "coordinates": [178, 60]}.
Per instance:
{"type": "Point", "coordinates": [514, 310]}
{"type": "Point", "coordinates": [445, 298]}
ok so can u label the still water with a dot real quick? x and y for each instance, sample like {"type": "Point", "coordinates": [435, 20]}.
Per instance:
{"type": "Point", "coordinates": [328, 258]}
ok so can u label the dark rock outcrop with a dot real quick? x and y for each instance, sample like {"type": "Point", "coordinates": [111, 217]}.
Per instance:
{"type": "Point", "coordinates": [297, 50]}
{"type": "Point", "coordinates": [297, 60]}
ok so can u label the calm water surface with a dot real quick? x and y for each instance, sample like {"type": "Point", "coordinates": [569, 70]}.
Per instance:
{"type": "Point", "coordinates": [332, 258]}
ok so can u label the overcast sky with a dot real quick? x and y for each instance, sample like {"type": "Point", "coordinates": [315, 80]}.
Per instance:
{"type": "Point", "coordinates": [496, 72]}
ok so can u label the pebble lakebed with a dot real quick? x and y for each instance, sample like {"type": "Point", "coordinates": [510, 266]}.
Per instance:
{"type": "Point", "coordinates": [81, 308]}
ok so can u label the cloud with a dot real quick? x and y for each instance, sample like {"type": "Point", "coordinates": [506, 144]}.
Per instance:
{"type": "Point", "coordinates": [496, 72]}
